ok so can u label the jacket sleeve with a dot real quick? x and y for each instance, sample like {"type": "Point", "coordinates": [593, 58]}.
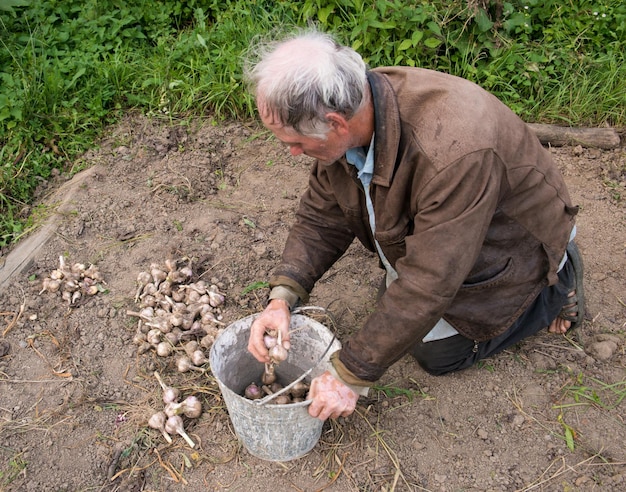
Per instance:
{"type": "Point", "coordinates": [453, 213]}
{"type": "Point", "coordinates": [320, 236]}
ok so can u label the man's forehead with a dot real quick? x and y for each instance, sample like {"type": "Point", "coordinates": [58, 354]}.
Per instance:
{"type": "Point", "coordinates": [267, 115]}
{"type": "Point", "coordinates": [272, 121]}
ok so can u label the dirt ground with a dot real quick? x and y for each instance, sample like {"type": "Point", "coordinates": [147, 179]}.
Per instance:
{"type": "Point", "coordinates": [76, 393]}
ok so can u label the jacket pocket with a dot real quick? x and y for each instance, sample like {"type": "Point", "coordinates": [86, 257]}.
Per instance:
{"type": "Point", "coordinates": [489, 277]}
{"type": "Point", "coordinates": [393, 242]}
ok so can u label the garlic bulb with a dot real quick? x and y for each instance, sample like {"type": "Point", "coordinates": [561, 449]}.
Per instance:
{"type": "Point", "coordinates": [270, 341]}
{"type": "Point", "coordinates": [170, 303]}
{"type": "Point", "coordinates": [157, 421]}
{"type": "Point", "coordinates": [190, 347]}
{"type": "Point", "coordinates": [184, 364]}
{"type": "Point", "coordinates": [192, 408]}
{"type": "Point", "coordinates": [174, 425]}
{"type": "Point", "coordinates": [252, 392]}
{"type": "Point", "coordinates": [198, 358]}
{"type": "Point", "coordinates": [164, 349]}
{"type": "Point", "coordinates": [269, 375]}
{"type": "Point", "coordinates": [278, 353]}
{"type": "Point", "coordinates": [299, 390]}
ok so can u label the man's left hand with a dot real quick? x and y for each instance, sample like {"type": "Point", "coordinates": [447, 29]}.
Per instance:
{"type": "Point", "coordinates": [330, 398]}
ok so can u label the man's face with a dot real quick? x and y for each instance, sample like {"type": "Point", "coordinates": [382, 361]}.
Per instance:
{"type": "Point", "coordinates": [326, 150]}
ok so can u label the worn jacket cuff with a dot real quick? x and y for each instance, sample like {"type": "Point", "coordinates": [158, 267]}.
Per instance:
{"type": "Point", "coordinates": [341, 372]}
{"type": "Point", "coordinates": [286, 294]}
{"type": "Point", "coordinates": [287, 282]}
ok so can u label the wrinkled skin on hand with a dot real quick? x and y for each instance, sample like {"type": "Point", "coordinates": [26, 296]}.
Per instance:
{"type": "Point", "coordinates": [330, 398]}
{"type": "Point", "coordinates": [275, 317]}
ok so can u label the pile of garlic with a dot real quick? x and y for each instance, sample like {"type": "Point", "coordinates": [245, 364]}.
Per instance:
{"type": "Point", "coordinates": [169, 420]}
{"type": "Point", "coordinates": [175, 312]}
{"type": "Point", "coordinates": [73, 281]}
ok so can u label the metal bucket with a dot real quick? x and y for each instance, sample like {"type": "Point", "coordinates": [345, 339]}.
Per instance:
{"type": "Point", "coordinates": [270, 431]}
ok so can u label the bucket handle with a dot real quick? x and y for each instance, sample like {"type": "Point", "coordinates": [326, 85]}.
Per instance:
{"type": "Point", "coordinates": [302, 310]}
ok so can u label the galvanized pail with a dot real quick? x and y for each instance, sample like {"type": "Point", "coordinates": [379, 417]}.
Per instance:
{"type": "Point", "coordinates": [272, 432]}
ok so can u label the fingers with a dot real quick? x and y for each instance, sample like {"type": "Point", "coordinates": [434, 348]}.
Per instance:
{"type": "Point", "coordinates": [256, 346]}
{"type": "Point", "coordinates": [330, 398]}
{"type": "Point", "coordinates": [281, 317]}
{"type": "Point", "coordinates": [275, 317]}
{"type": "Point", "coordinates": [323, 412]}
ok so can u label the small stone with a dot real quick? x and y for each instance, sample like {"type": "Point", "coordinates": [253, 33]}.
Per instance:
{"type": "Point", "coordinates": [440, 478]}
{"type": "Point", "coordinates": [602, 350]}
{"type": "Point", "coordinates": [418, 446]}
{"type": "Point", "coordinates": [121, 150]}
{"type": "Point", "coordinates": [5, 348]}
{"type": "Point", "coordinates": [542, 362]}
{"type": "Point", "coordinates": [260, 250]}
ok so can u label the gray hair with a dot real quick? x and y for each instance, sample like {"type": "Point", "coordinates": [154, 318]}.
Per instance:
{"type": "Point", "coordinates": [304, 77]}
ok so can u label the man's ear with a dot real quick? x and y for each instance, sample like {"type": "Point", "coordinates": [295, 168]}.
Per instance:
{"type": "Point", "coordinates": [338, 123]}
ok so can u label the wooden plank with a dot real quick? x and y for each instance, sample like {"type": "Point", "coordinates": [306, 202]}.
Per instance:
{"type": "Point", "coordinates": [20, 258]}
{"type": "Point", "coordinates": [558, 136]}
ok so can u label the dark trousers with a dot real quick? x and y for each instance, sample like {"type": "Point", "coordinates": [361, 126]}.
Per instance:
{"type": "Point", "coordinates": [457, 352]}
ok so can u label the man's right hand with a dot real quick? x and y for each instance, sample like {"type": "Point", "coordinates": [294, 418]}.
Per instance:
{"type": "Point", "coordinates": [275, 317]}
{"type": "Point", "coordinates": [331, 398]}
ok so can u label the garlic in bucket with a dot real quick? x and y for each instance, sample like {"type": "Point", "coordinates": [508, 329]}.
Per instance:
{"type": "Point", "coordinates": [255, 420]}
{"type": "Point", "coordinates": [269, 378]}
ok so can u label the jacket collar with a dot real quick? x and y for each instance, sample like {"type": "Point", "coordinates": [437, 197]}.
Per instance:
{"type": "Point", "coordinates": [387, 128]}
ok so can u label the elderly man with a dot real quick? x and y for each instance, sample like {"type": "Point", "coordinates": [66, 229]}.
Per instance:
{"type": "Point", "coordinates": [466, 210]}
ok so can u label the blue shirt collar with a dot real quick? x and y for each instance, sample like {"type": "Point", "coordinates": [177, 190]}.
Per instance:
{"type": "Point", "coordinates": [364, 162]}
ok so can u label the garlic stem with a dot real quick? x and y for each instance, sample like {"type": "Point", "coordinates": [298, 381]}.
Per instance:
{"type": "Point", "coordinates": [158, 378]}
{"type": "Point", "coordinates": [175, 424]}
{"type": "Point", "coordinates": [269, 375]}
{"type": "Point", "coordinates": [170, 394]}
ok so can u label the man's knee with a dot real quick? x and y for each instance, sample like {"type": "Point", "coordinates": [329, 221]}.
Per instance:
{"type": "Point", "coordinates": [440, 357]}
{"type": "Point", "coordinates": [433, 370]}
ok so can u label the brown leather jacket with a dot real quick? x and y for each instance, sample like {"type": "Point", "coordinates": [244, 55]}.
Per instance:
{"type": "Point", "coordinates": [470, 210]}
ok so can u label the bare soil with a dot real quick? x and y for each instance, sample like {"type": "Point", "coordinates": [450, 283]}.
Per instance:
{"type": "Point", "coordinates": [75, 394]}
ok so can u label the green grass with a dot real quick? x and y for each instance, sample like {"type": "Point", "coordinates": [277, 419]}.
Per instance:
{"type": "Point", "coordinates": [586, 391]}
{"type": "Point", "coordinates": [70, 68]}
{"type": "Point", "coordinates": [594, 392]}
{"type": "Point", "coordinates": [393, 391]}
{"type": "Point", "coordinates": [13, 469]}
